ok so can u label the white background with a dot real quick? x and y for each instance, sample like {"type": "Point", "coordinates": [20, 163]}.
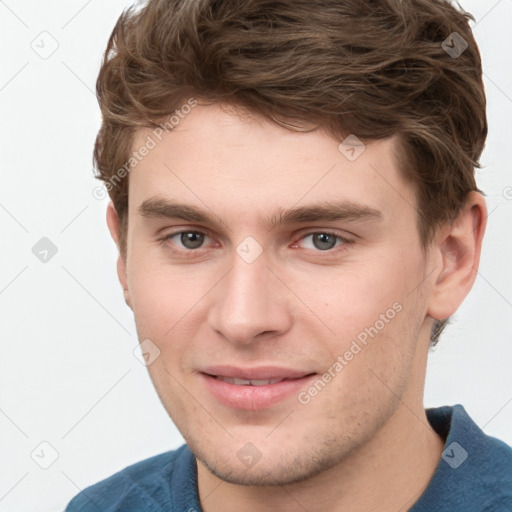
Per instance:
{"type": "Point", "coordinates": [67, 370]}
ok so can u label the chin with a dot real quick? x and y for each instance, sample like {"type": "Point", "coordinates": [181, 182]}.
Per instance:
{"type": "Point", "coordinates": [270, 471]}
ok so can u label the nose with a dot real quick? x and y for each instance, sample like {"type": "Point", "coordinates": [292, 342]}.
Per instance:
{"type": "Point", "coordinates": [250, 303]}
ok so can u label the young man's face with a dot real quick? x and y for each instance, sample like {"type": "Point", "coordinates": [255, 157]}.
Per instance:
{"type": "Point", "coordinates": [251, 292]}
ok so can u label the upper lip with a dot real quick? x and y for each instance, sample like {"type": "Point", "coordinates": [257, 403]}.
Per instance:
{"type": "Point", "coordinates": [256, 373]}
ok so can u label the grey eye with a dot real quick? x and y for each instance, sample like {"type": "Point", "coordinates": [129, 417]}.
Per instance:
{"type": "Point", "coordinates": [192, 239]}
{"type": "Point", "coordinates": [324, 241]}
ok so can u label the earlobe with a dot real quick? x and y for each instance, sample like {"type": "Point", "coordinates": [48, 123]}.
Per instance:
{"type": "Point", "coordinates": [458, 247]}
{"type": "Point", "coordinates": [114, 226]}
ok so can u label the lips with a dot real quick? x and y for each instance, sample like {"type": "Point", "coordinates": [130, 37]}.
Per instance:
{"type": "Point", "coordinates": [253, 388]}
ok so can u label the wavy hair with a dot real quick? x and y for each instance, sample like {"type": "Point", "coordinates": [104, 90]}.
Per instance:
{"type": "Point", "coordinates": [375, 68]}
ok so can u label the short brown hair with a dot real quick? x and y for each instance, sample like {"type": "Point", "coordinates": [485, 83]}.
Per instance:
{"type": "Point", "coordinates": [375, 68]}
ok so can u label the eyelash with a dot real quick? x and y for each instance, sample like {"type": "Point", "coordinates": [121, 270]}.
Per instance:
{"type": "Point", "coordinates": [180, 252]}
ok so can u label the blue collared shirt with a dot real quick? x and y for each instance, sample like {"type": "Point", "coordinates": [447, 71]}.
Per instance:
{"type": "Point", "coordinates": [473, 475]}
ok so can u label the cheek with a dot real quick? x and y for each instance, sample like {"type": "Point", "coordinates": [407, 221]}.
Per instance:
{"type": "Point", "coordinates": [374, 315]}
{"type": "Point", "coordinates": [370, 372]}
{"type": "Point", "coordinates": [163, 297]}
{"type": "Point", "coordinates": [364, 299]}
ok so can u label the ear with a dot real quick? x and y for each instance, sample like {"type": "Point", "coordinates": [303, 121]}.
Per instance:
{"type": "Point", "coordinates": [113, 226]}
{"type": "Point", "coordinates": [457, 248]}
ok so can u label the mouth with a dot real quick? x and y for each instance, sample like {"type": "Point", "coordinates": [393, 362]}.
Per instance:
{"type": "Point", "coordinates": [248, 382]}
{"type": "Point", "coordinates": [254, 388]}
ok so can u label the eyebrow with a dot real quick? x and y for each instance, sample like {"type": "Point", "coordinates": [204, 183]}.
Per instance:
{"type": "Point", "coordinates": [326, 211]}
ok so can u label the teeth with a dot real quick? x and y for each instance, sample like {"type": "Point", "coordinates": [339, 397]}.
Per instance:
{"type": "Point", "coordinates": [260, 382]}
{"type": "Point", "coordinates": [241, 382]}
{"type": "Point", "coordinates": [247, 382]}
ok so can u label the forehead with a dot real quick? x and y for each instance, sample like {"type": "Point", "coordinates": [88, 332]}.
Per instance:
{"type": "Point", "coordinates": [245, 165]}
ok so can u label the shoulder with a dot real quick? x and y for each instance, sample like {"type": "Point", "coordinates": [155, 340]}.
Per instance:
{"type": "Point", "coordinates": [490, 455]}
{"type": "Point", "coordinates": [493, 474]}
{"type": "Point", "coordinates": [475, 470]}
{"type": "Point", "coordinates": [145, 485]}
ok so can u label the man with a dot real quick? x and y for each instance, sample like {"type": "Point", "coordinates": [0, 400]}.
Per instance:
{"type": "Point", "coordinates": [294, 204]}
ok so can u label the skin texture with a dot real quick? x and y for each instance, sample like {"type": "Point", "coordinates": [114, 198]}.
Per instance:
{"type": "Point", "coordinates": [361, 443]}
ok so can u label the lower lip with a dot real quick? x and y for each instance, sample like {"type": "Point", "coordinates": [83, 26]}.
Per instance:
{"type": "Point", "coordinates": [253, 397]}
